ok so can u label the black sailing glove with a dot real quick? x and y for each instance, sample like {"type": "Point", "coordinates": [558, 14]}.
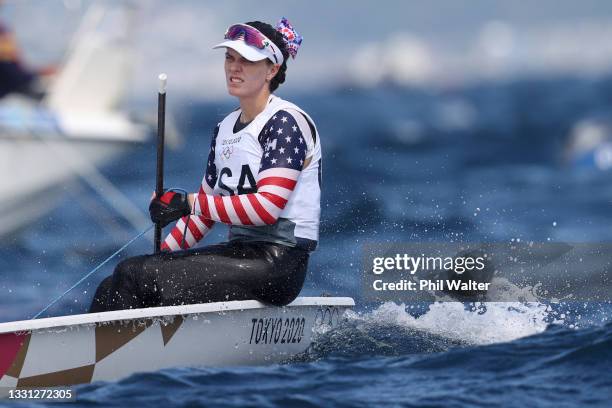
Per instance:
{"type": "Point", "coordinates": [171, 206]}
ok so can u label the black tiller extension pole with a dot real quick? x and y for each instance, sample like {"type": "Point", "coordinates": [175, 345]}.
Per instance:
{"type": "Point", "coordinates": [161, 125]}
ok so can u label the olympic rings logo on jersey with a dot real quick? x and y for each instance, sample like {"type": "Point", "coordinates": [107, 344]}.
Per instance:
{"type": "Point", "coordinates": [227, 152]}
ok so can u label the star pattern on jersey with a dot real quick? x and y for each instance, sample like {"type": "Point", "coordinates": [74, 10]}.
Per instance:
{"type": "Point", "coordinates": [280, 150]}
{"type": "Point", "coordinates": [211, 168]}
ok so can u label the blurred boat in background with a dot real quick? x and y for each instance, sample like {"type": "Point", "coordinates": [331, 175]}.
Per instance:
{"type": "Point", "coordinates": [78, 125]}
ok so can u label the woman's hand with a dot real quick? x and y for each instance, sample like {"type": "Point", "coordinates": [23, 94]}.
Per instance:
{"type": "Point", "coordinates": [191, 197]}
{"type": "Point", "coordinates": [169, 207]}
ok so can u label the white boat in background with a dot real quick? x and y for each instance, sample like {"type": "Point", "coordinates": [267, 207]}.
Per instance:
{"type": "Point", "coordinates": [45, 145]}
{"type": "Point", "coordinates": [62, 351]}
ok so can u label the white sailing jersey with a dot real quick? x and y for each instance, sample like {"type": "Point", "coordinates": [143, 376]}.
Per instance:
{"type": "Point", "coordinates": [269, 194]}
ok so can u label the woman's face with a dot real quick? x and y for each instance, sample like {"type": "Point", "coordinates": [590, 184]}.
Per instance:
{"type": "Point", "coordinates": [245, 78]}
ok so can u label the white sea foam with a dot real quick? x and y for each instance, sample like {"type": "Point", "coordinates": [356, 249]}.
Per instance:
{"type": "Point", "coordinates": [524, 314]}
{"type": "Point", "coordinates": [487, 323]}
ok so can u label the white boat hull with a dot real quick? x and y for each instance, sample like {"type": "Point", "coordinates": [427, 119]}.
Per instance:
{"type": "Point", "coordinates": [108, 346]}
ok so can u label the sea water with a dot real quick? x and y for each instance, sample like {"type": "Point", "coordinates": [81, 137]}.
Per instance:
{"type": "Point", "coordinates": [485, 163]}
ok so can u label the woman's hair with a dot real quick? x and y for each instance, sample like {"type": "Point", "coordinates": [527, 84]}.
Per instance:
{"type": "Point", "coordinates": [277, 38]}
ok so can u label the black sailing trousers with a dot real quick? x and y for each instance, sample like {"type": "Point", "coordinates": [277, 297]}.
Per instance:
{"type": "Point", "coordinates": [236, 270]}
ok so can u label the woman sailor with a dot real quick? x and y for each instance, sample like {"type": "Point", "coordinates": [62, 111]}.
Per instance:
{"type": "Point", "coordinates": [262, 179]}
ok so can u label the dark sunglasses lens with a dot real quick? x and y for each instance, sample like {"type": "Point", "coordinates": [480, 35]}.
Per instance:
{"type": "Point", "coordinates": [234, 32]}
{"type": "Point", "coordinates": [249, 35]}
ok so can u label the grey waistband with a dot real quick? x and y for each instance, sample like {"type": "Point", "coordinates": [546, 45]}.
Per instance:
{"type": "Point", "coordinates": [281, 232]}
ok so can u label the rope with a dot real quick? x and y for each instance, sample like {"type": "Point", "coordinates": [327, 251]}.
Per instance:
{"type": "Point", "coordinates": [94, 270]}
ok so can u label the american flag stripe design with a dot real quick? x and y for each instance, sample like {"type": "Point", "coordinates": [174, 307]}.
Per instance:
{"type": "Point", "coordinates": [198, 225]}
{"type": "Point", "coordinates": [237, 205]}
{"type": "Point", "coordinates": [263, 212]}
{"type": "Point", "coordinates": [261, 208]}
{"type": "Point", "coordinates": [220, 207]}
{"type": "Point", "coordinates": [177, 235]}
{"type": "Point", "coordinates": [276, 190]}
{"type": "Point", "coordinates": [196, 230]}
{"type": "Point", "coordinates": [278, 201]}
{"type": "Point", "coordinates": [277, 181]}
{"type": "Point", "coordinates": [193, 233]}
{"type": "Point", "coordinates": [209, 207]}
{"type": "Point", "coordinates": [250, 211]}
{"type": "Point", "coordinates": [169, 244]}
{"type": "Point", "coordinates": [231, 214]}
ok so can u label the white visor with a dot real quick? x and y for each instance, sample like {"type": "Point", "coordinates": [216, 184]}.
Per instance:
{"type": "Point", "coordinates": [248, 52]}
{"type": "Point", "coordinates": [254, 54]}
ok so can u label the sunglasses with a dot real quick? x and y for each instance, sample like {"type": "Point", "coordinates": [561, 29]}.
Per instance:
{"type": "Point", "coordinates": [253, 37]}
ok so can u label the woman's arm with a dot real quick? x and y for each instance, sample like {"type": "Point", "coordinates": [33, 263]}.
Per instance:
{"type": "Point", "coordinates": [198, 226]}
{"type": "Point", "coordinates": [283, 156]}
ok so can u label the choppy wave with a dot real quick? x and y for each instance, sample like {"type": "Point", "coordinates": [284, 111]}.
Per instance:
{"type": "Point", "coordinates": [393, 329]}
